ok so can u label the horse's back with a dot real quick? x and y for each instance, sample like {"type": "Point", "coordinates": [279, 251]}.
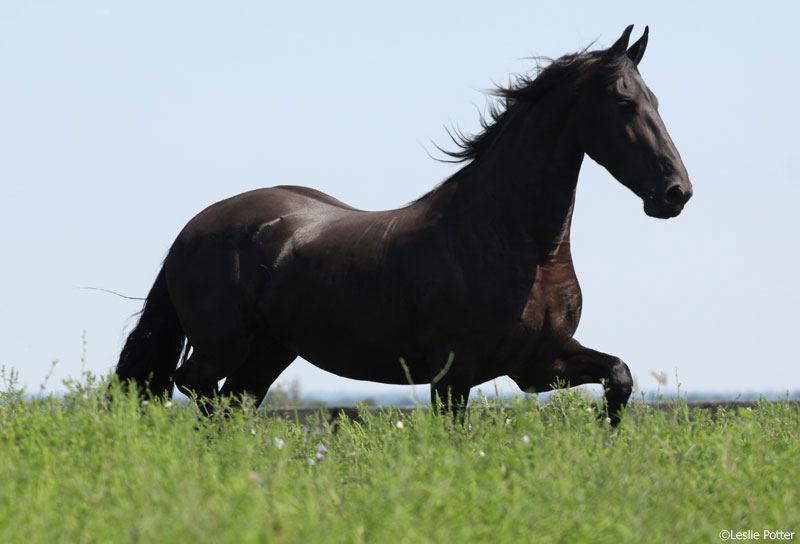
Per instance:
{"type": "Point", "coordinates": [314, 195]}
{"type": "Point", "coordinates": [252, 209]}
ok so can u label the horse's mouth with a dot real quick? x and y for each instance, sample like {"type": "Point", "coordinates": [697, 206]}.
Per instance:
{"type": "Point", "coordinates": [663, 210]}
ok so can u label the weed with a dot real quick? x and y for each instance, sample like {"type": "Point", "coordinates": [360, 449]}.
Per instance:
{"type": "Point", "coordinates": [82, 468]}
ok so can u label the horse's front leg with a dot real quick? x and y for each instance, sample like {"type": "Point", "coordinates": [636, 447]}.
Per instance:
{"type": "Point", "coordinates": [450, 395]}
{"type": "Point", "coordinates": [577, 365]}
{"type": "Point", "coordinates": [450, 388]}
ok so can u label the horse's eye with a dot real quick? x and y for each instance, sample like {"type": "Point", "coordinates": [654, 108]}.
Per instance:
{"type": "Point", "coordinates": [626, 104]}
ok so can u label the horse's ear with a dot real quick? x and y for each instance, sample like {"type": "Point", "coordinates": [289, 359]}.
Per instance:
{"type": "Point", "coordinates": [621, 45]}
{"type": "Point", "coordinates": [636, 52]}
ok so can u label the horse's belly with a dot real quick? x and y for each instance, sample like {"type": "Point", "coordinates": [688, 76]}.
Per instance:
{"type": "Point", "coordinates": [359, 357]}
{"type": "Point", "coordinates": [351, 334]}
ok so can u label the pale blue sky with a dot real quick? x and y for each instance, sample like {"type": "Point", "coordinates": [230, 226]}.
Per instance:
{"type": "Point", "coordinates": [119, 122]}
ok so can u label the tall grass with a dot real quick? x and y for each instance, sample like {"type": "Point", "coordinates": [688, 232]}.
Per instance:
{"type": "Point", "coordinates": [83, 469]}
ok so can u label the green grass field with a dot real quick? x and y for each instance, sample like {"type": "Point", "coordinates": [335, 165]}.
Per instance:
{"type": "Point", "coordinates": [80, 470]}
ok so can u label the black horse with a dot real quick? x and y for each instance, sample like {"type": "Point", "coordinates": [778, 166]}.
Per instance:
{"type": "Point", "coordinates": [479, 268]}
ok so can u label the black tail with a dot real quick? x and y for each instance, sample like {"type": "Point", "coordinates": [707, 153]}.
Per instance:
{"type": "Point", "coordinates": [153, 348]}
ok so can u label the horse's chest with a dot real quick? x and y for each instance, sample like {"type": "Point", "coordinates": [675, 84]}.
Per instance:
{"type": "Point", "coordinates": [554, 304]}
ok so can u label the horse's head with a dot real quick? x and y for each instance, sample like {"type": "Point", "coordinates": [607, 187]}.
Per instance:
{"type": "Point", "coordinates": [620, 128]}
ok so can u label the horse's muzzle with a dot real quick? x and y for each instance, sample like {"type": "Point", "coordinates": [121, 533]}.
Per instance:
{"type": "Point", "coordinates": [670, 203]}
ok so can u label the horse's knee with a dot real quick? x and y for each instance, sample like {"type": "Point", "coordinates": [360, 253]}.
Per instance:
{"type": "Point", "coordinates": [620, 380]}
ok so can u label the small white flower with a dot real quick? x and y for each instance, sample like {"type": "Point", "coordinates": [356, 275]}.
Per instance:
{"type": "Point", "coordinates": [481, 453]}
{"type": "Point", "coordinates": [278, 443]}
{"type": "Point", "coordinates": [252, 431]}
{"type": "Point", "coordinates": [168, 404]}
{"type": "Point", "coordinates": [320, 456]}
{"type": "Point", "coordinates": [608, 420]}
{"type": "Point", "coordinates": [399, 425]}
{"type": "Point", "coordinates": [145, 402]}
{"type": "Point", "coordinates": [525, 439]}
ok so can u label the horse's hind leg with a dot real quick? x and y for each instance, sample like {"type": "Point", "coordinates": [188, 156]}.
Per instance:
{"type": "Point", "coordinates": [265, 362]}
{"type": "Point", "coordinates": [208, 364]}
{"type": "Point", "coordinates": [577, 365]}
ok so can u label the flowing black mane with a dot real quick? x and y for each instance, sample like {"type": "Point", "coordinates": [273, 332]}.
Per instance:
{"type": "Point", "coordinates": [528, 89]}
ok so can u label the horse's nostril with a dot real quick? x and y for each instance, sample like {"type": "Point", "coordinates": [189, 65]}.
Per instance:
{"type": "Point", "coordinates": [675, 195]}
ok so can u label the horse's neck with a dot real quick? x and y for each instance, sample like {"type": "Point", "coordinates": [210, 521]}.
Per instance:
{"type": "Point", "coordinates": [523, 187]}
